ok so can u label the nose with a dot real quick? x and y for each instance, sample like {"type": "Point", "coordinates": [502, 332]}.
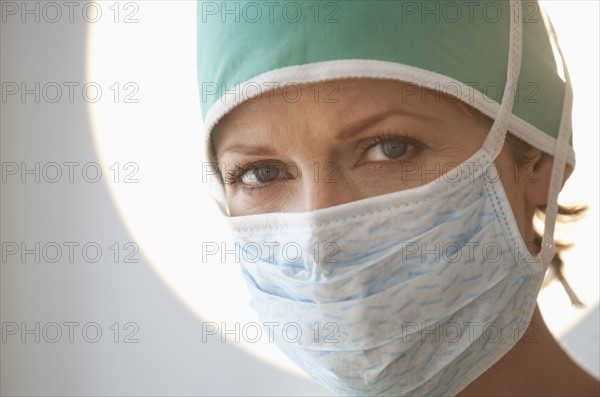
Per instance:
{"type": "Point", "coordinates": [326, 189]}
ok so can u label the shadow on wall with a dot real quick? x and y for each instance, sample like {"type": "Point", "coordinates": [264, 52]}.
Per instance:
{"type": "Point", "coordinates": [583, 341]}
{"type": "Point", "coordinates": [49, 296]}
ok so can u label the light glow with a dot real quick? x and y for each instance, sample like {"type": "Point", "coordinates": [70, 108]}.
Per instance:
{"type": "Point", "coordinates": [169, 213]}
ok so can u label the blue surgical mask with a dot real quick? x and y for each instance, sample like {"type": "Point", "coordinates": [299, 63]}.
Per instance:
{"type": "Point", "coordinates": [413, 292]}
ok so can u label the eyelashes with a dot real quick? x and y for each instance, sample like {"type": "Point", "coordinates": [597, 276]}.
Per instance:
{"type": "Point", "coordinates": [262, 172]}
{"type": "Point", "coordinates": [385, 150]}
{"type": "Point", "coordinates": [390, 148]}
{"type": "Point", "coordinates": [385, 136]}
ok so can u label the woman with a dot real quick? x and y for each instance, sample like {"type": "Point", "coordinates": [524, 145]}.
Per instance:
{"type": "Point", "coordinates": [380, 164]}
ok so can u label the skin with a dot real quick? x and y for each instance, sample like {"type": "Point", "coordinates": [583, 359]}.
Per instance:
{"type": "Point", "coordinates": [339, 139]}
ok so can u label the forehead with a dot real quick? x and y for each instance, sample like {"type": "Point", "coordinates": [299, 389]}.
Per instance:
{"type": "Point", "coordinates": [338, 102]}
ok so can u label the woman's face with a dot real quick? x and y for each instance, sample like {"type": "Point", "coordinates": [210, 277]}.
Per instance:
{"type": "Point", "coordinates": [376, 137]}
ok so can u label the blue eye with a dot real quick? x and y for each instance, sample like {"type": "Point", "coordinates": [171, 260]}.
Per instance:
{"type": "Point", "coordinates": [386, 150]}
{"type": "Point", "coordinates": [260, 174]}
{"type": "Point", "coordinates": [394, 149]}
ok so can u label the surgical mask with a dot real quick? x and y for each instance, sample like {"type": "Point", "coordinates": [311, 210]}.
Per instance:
{"type": "Point", "coordinates": [413, 292]}
{"type": "Point", "coordinates": [416, 292]}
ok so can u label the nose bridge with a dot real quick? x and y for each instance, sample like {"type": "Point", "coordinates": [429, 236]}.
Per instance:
{"type": "Point", "coordinates": [324, 185]}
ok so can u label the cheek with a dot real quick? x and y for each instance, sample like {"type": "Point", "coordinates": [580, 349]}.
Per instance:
{"type": "Point", "coordinates": [515, 192]}
{"type": "Point", "coordinates": [285, 198]}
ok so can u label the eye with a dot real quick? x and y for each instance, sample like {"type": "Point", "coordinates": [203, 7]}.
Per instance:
{"type": "Point", "coordinates": [387, 149]}
{"type": "Point", "coordinates": [260, 174]}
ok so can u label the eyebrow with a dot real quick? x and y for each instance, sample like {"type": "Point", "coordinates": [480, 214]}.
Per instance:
{"type": "Point", "coordinates": [249, 150]}
{"type": "Point", "coordinates": [253, 150]}
{"type": "Point", "coordinates": [375, 118]}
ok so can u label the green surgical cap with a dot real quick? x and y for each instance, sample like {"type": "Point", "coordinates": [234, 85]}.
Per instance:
{"type": "Point", "coordinates": [246, 48]}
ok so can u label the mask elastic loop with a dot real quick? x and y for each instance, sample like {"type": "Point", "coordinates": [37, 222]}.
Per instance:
{"type": "Point", "coordinates": [495, 139]}
{"type": "Point", "coordinates": [558, 166]}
